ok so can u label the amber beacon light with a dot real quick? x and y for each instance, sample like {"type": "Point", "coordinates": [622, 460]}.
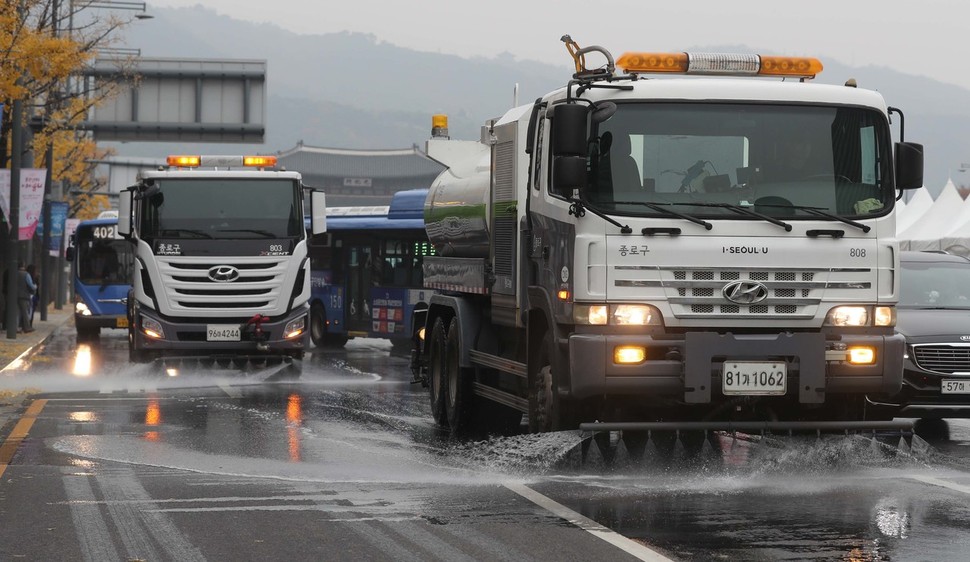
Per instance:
{"type": "Point", "coordinates": [722, 64]}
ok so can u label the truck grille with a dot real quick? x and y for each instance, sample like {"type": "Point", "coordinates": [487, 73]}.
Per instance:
{"type": "Point", "coordinates": [942, 358]}
{"type": "Point", "coordinates": [699, 292]}
{"type": "Point", "coordinates": [190, 289]}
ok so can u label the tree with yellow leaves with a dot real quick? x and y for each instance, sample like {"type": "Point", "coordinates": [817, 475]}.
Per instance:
{"type": "Point", "coordinates": [41, 50]}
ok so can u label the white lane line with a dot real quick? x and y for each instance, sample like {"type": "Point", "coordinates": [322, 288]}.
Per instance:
{"type": "Point", "coordinates": [89, 522]}
{"type": "Point", "coordinates": [941, 483]}
{"type": "Point", "coordinates": [628, 546]}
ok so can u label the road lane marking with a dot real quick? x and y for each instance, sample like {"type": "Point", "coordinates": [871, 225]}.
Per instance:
{"type": "Point", "coordinates": [629, 546]}
{"type": "Point", "coordinates": [89, 522]}
{"type": "Point", "coordinates": [16, 437]}
{"type": "Point", "coordinates": [941, 483]}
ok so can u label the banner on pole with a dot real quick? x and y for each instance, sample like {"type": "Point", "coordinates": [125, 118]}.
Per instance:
{"type": "Point", "coordinates": [31, 198]}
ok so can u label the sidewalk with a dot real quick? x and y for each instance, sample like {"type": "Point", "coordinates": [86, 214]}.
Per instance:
{"type": "Point", "coordinates": [11, 396]}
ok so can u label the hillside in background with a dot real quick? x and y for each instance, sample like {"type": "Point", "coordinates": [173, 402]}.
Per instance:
{"type": "Point", "coordinates": [348, 90]}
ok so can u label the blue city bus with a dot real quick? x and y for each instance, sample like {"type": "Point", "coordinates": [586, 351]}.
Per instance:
{"type": "Point", "coordinates": [366, 272]}
{"type": "Point", "coordinates": [103, 265]}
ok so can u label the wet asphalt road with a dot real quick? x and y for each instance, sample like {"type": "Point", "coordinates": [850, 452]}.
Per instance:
{"type": "Point", "coordinates": [122, 463]}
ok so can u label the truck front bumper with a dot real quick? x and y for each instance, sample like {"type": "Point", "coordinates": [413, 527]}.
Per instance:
{"type": "Point", "coordinates": [689, 368]}
{"type": "Point", "coordinates": [190, 337]}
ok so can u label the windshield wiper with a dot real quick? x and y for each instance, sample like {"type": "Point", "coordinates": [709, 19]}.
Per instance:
{"type": "Point", "coordinates": [669, 212]}
{"type": "Point", "coordinates": [579, 208]}
{"type": "Point", "coordinates": [742, 211]}
{"type": "Point", "coordinates": [179, 231]}
{"type": "Point", "coordinates": [820, 213]}
{"type": "Point", "coordinates": [265, 233]}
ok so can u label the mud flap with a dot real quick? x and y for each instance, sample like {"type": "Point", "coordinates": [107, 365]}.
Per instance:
{"type": "Point", "coordinates": [702, 347]}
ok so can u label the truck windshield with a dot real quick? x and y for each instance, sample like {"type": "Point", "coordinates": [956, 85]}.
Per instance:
{"type": "Point", "coordinates": [222, 208]}
{"type": "Point", "coordinates": [766, 157]}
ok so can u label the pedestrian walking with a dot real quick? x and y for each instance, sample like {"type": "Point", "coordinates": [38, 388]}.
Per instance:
{"type": "Point", "coordinates": [25, 292]}
{"type": "Point", "coordinates": [35, 298]}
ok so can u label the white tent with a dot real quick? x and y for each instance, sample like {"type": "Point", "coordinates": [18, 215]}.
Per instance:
{"type": "Point", "coordinates": [957, 240]}
{"type": "Point", "coordinates": [918, 204]}
{"type": "Point", "coordinates": [935, 223]}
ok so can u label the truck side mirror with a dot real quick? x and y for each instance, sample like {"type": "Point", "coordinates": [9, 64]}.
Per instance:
{"type": "Point", "coordinates": [569, 148]}
{"type": "Point", "coordinates": [569, 130]}
{"type": "Point", "coordinates": [909, 165]}
{"type": "Point", "coordinates": [69, 253]}
{"type": "Point", "coordinates": [124, 213]}
{"type": "Point", "coordinates": [569, 173]}
{"type": "Point", "coordinates": [318, 212]}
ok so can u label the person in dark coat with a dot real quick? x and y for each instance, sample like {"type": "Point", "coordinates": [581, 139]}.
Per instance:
{"type": "Point", "coordinates": [35, 298]}
{"type": "Point", "coordinates": [25, 292]}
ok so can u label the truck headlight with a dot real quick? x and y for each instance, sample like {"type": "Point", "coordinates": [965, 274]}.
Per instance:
{"type": "Point", "coordinates": [617, 314]}
{"type": "Point", "coordinates": [152, 328]}
{"type": "Point", "coordinates": [82, 309]}
{"type": "Point", "coordinates": [851, 315]}
{"type": "Point", "coordinates": [294, 328]}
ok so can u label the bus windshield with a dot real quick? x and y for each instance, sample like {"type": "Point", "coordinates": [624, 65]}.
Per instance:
{"type": "Point", "coordinates": [702, 158]}
{"type": "Point", "coordinates": [222, 208]}
{"type": "Point", "coordinates": [101, 258]}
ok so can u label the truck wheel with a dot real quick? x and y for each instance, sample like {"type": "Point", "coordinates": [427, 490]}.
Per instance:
{"type": "Point", "coordinates": [136, 355]}
{"type": "Point", "coordinates": [318, 323]}
{"type": "Point", "coordinates": [437, 385]}
{"type": "Point", "coordinates": [543, 398]}
{"type": "Point", "coordinates": [460, 398]}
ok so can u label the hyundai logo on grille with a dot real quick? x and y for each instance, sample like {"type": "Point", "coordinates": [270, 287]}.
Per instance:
{"type": "Point", "coordinates": [223, 273]}
{"type": "Point", "coordinates": [745, 292]}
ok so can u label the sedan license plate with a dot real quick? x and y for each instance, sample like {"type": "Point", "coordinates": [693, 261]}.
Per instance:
{"type": "Point", "coordinates": [762, 378]}
{"type": "Point", "coordinates": [950, 386]}
{"type": "Point", "coordinates": [222, 332]}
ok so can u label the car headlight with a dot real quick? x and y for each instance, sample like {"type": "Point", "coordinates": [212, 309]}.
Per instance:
{"type": "Point", "coordinates": [82, 309]}
{"type": "Point", "coordinates": [294, 328]}
{"type": "Point", "coordinates": [617, 314]}
{"type": "Point", "coordinates": [853, 315]}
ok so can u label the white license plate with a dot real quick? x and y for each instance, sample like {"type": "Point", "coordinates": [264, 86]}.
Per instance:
{"type": "Point", "coordinates": [742, 378]}
{"type": "Point", "coordinates": [949, 386]}
{"type": "Point", "coordinates": [222, 332]}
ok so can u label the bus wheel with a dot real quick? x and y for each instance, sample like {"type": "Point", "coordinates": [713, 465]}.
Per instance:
{"type": "Point", "coordinates": [318, 323]}
{"type": "Point", "coordinates": [438, 383]}
{"type": "Point", "coordinates": [459, 401]}
{"type": "Point", "coordinates": [543, 398]}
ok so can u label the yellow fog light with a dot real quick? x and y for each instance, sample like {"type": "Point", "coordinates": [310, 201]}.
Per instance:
{"type": "Point", "coordinates": [629, 354]}
{"type": "Point", "coordinates": [862, 355]}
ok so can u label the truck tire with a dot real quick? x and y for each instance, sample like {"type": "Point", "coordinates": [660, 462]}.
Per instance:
{"type": "Point", "coordinates": [438, 379]}
{"type": "Point", "coordinates": [544, 412]}
{"type": "Point", "coordinates": [460, 397]}
{"type": "Point", "coordinates": [318, 323]}
{"type": "Point", "coordinates": [136, 355]}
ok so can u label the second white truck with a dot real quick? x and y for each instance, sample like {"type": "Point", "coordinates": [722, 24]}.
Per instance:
{"type": "Point", "coordinates": [221, 270]}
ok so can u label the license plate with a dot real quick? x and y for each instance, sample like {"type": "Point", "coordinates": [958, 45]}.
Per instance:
{"type": "Point", "coordinates": [222, 332]}
{"type": "Point", "coordinates": [761, 378]}
{"type": "Point", "coordinates": [121, 322]}
{"type": "Point", "coordinates": [949, 386]}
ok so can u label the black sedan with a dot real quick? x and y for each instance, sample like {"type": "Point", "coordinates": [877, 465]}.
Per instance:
{"type": "Point", "coordinates": [934, 315]}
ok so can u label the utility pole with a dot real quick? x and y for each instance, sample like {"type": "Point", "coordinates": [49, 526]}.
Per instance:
{"type": "Point", "coordinates": [45, 258]}
{"type": "Point", "coordinates": [13, 221]}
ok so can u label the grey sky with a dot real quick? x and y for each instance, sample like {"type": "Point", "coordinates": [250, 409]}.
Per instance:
{"type": "Point", "coordinates": [927, 37]}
